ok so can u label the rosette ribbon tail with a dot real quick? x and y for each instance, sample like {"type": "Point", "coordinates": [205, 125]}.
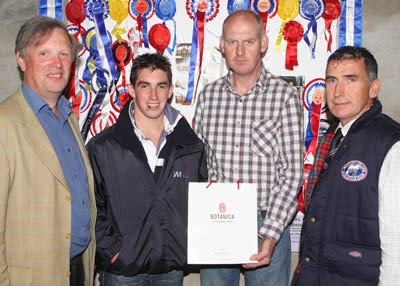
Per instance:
{"type": "Point", "coordinates": [193, 60]}
{"type": "Point", "coordinates": [280, 36]}
{"type": "Point", "coordinates": [311, 26]}
{"type": "Point", "coordinates": [171, 50]}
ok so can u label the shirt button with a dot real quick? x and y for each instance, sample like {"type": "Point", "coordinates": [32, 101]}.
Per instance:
{"type": "Point", "coordinates": [238, 122]}
{"type": "Point", "coordinates": [68, 236]}
{"type": "Point", "coordinates": [241, 100]}
{"type": "Point", "coordinates": [307, 259]}
{"type": "Point", "coordinates": [68, 274]}
{"type": "Point", "coordinates": [312, 219]}
{"type": "Point", "coordinates": [67, 198]}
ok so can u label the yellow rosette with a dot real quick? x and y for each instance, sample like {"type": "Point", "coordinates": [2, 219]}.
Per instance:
{"type": "Point", "coordinates": [118, 12]}
{"type": "Point", "coordinates": [287, 11]}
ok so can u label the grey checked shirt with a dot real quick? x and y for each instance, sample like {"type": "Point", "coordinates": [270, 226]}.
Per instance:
{"type": "Point", "coordinates": [255, 138]}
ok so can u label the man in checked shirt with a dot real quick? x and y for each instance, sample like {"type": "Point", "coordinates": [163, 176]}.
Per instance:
{"type": "Point", "coordinates": [252, 125]}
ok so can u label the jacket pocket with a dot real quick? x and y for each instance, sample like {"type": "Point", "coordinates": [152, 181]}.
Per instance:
{"type": "Point", "coordinates": [20, 276]}
{"type": "Point", "coordinates": [264, 137]}
{"type": "Point", "coordinates": [353, 262]}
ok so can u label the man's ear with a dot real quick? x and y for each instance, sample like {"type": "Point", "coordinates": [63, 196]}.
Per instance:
{"type": "Point", "coordinates": [171, 89]}
{"type": "Point", "coordinates": [21, 62]}
{"type": "Point", "coordinates": [374, 88]}
{"type": "Point", "coordinates": [264, 44]}
{"type": "Point", "coordinates": [221, 45]}
{"type": "Point", "coordinates": [131, 91]}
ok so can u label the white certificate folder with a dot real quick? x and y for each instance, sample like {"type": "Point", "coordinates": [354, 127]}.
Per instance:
{"type": "Point", "coordinates": [222, 223]}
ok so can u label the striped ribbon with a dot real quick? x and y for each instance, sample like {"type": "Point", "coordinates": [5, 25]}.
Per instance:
{"type": "Point", "coordinates": [51, 8]}
{"type": "Point", "coordinates": [350, 23]}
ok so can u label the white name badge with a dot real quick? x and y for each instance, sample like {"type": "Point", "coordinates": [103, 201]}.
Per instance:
{"type": "Point", "coordinates": [222, 223]}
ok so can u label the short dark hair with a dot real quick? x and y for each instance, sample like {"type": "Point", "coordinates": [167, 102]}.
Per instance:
{"type": "Point", "coordinates": [249, 13]}
{"type": "Point", "coordinates": [356, 53]}
{"type": "Point", "coordinates": [150, 61]}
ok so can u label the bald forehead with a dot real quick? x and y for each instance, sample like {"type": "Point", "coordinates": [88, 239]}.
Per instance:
{"type": "Point", "coordinates": [240, 16]}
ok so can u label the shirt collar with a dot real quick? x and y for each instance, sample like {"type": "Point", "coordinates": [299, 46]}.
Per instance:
{"type": "Point", "coordinates": [37, 103]}
{"type": "Point", "coordinates": [347, 127]}
{"type": "Point", "coordinates": [262, 81]}
{"type": "Point", "coordinates": [171, 118]}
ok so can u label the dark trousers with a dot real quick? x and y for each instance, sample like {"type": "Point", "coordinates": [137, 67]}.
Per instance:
{"type": "Point", "coordinates": [77, 277]}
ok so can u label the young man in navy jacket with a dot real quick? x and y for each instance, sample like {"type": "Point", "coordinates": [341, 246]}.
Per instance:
{"type": "Point", "coordinates": [142, 166]}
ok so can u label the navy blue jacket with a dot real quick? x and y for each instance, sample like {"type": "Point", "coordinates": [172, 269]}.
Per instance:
{"type": "Point", "coordinates": [340, 242]}
{"type": "Point", "coordinates": [141, 214]}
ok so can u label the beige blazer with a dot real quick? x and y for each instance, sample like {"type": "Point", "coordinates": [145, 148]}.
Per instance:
{"type": "Point", "coordinates": [35, 203]}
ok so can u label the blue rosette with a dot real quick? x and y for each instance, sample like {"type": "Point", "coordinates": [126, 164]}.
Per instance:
{"type": "Point", "coordinates": [141, 11]}
{"type": "Point", "coordinates": [234, 5]}
{"type": "Point", "coordinates": [166, 10]}
{"type": "Point", "coordinates": [311, 10]}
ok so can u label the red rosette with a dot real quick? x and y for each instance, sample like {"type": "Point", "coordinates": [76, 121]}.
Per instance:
{"type": "Point", "coordinates": [332, 10]}
{"type": "Point", "coordinates": [122, 52]}
{"type": "Point", "coordinates": [293, 33]}
{"type": "Point", "coordinates": [159, 37]}
{"type": "Point", "coordinates": [75, 11]}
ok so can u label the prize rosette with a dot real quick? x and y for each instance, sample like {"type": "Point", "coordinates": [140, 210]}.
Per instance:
{"type": "Point", "coordinates": [89, 42]}
{"type": "Point", "coordinates": [159, 37]}
{"type": "Point", "coordinates": [141, 11]}
{"type": "Point", "coordinates": [102, 121]}
{"type": "Point", "coordinates": [292, 33]}
{"type": "Point", "coordinates": [95, 8]}
{"type": "Point", "coordinates": [209, 7]}
{"type": "Point", "coordinates": [86, 97]}
{"type": "Point", "coordinates": [287, 11]}
{"type": "Point", "coordinates": [165, 10]}
{"type": "Point", "coordinates": [266, 9]}
{"type": "Point", "coordinates": [314, 93]}
{"type": "Point", "coordinates": [118, 12]}
{"type": "Point", "coordinates": [311, 10]}
{"type": "Point", "coordinates": [75, 13]}
{"type": "Point", "coordinates": [122, 54]}
{"type": "Point", "coordinates": [314, 101]}
{"type": "Point", "coordinates": [201, 11]}
{"type": "Point", "coordinates": [77, 33]}
{"type": "Point", "coordinates": [234, 5]}
{"type": "Point", "coordinates": [119, 97]}
{"type": "Point", "coordinates": [332, 12]}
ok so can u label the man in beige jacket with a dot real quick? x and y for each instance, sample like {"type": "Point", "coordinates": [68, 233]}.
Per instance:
{"type": "Point", "coordinates": [47, 209]}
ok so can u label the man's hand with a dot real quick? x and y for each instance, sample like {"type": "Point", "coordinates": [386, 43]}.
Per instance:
{"type": "Point", "coordinates": [263, 257]}
{"type": "Point", "coordinates": [114, 258]}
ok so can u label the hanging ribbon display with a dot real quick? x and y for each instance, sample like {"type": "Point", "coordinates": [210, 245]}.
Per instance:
{"type": "Point", "coordinates": [159, 37]}
{"type": "Point", "coordinates": [293, 33]}
{"type": "Point", "coordinates": [73, 91]}
{"type": "Point", "coordinates": [350, 23]}
{"type": "Point", "coordinates": [141, 11]}
{"type": "Point", "coordinates": [200, 11]}
{"type": "Point", "coordinates": [314, 102]}
{"type": "Point", "coordinates": [96, 75]}
{"type": "Point", "coordinates": [311, 10]}
{"type": "Point", "coordinates": [74, 12]}
{"type": "Point", "coordinates": [234, 5]}
{"type": "Point", "coordinates": [332, 12]}
{"type": "Point", "coordinates": [287, 11]}
{"type": "Point", "coordinates": [119, 97]}
{"type": "Point", "coordinates": [97, 11]}
{"type": "Point", "coordinates": [122, 56]}
{"type": "Point", "coordinates": [165, 10]}
{"type": "Point", "coordinates": [118, 12]}
{"type": "Point", "coordinates": [51, 8]}
{"type": "Point", "coordinates": [266, 9]}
